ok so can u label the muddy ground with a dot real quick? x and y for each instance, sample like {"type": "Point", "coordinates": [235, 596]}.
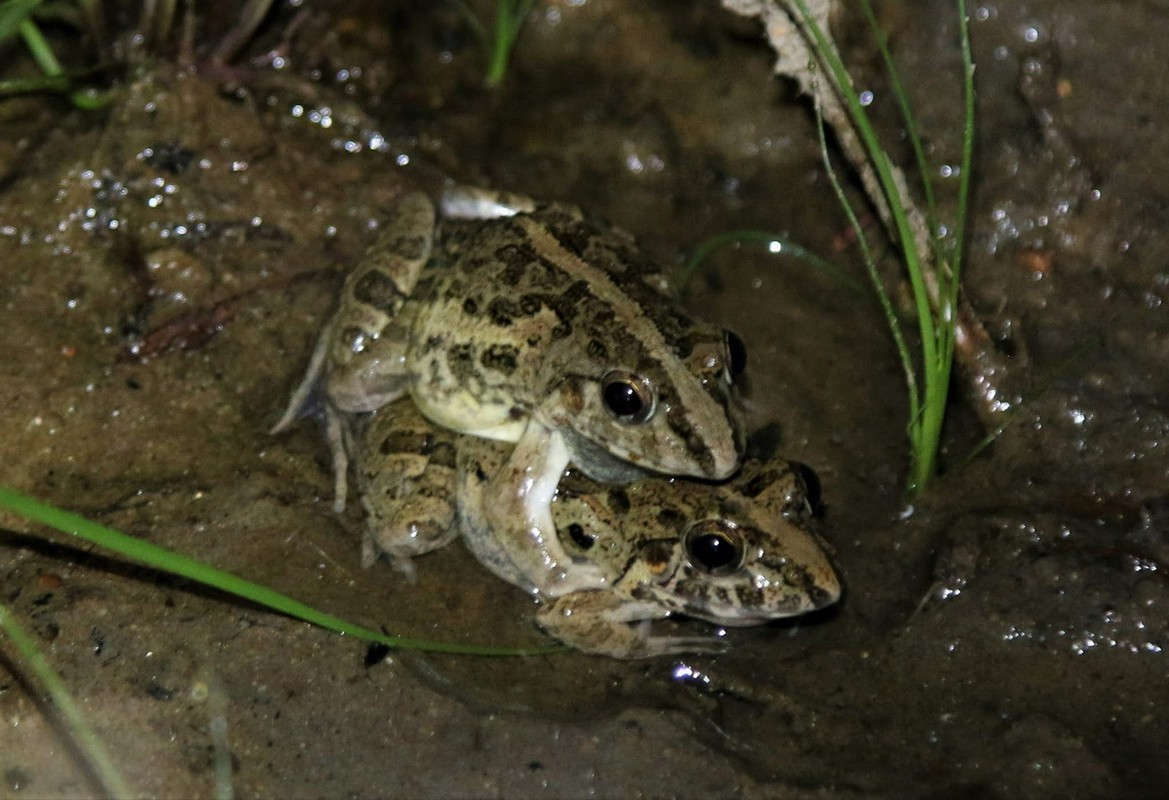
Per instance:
{"type": "Point", "coordinates": [166, 264]}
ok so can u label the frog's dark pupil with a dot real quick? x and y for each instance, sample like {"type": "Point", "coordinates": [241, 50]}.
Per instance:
{"type": "Point", "coordinates": [583, 539]}
{"type": "Point", "coordinates": [737, 352]}
{"type": "Point", "coordinates": [713, 551]}
{"type": "Point", "coordinates": [622, 399]}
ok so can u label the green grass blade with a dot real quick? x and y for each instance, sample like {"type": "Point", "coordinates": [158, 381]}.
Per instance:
{"type": "Point", "coordinates": [871, 266]}
{"type": "Point", "coordinates": [509, 18]}
{"type": "Point", "coordinates": [949, 274]}
{"type": "Point", "coordinates": [86, 99]}
{"type": "Point", "coordinates": [39, 48]}
{"type": "Point", "coordinates": [112, 782]}
{"type": "Point", "coordinates": [936, 316]}
{"type": "Point", "coordinates": [778, 245]}
{"type": "Point", "coordinates": [965, 177]}
{"type": "Point", "coordinates": [884, 170]}
{"type": "Point", "coordinates": [169, 561]}
{"type": "Point", "coordinates": [58, 83]}
{"type": "Point", "coordinates": [907, 117]}
{"type": "Point", "coordinates": [12, 14]}
{"type": "Point", "coordinates": [922, 454]}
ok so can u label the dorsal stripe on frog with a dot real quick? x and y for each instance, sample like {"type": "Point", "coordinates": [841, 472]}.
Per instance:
{"type": "Point", "coordinates": [617, 294]}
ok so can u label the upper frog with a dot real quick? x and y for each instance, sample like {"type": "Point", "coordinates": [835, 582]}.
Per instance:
{"type": "Point", "coordinates": [553, 316]}
{"type": "Point", "coordinates": [536, 326]}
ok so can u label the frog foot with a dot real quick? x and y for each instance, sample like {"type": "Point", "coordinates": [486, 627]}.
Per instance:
{"type": "Point", "coordinates": [372, 552]}
{"type": "Point", "coordinates": [404, 536]}
{"type": "Point", "coordinates": [577, 576]}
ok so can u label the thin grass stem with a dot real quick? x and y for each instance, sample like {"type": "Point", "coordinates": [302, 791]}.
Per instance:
{"type": "Point", "coordinates": [56, 78]}
{"type": "Point", "coordinates": [509, 19]}
{"type": "Point", "coordinates": [44, 83]}
{"type": "Point", "coordinates": [778, 245]}
{"type": "Point", "coordinates": [884, 169]}
{"type": "Point", "coordinates": [13, 13]}
{"type": "Point", "coordinates": [922, 455]}
{"type": "Point", "coordinates": [169, 561]}
{"type": "Point", "coordinates": [907, 116]}
{"type": "Point", "coordinates": [871, 266]}
{"type": "Point", "coordinates": [935, 298]}
{"type": "Point", "coordinates": [39, 49]}
{"type": "Point", "coordinates": [111, 780]}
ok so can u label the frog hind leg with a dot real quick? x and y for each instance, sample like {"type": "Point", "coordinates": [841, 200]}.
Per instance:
{"type": "Point", "coordinates": [605, 623]}
{"type": "Point", "coordinates": [517, 510]}
{"type": "Point", "coordinates": [407, 485]}
{"type": "Point", "coordinates": [368, 339]}
{"type": "Point", "coordinates": [368, 320]}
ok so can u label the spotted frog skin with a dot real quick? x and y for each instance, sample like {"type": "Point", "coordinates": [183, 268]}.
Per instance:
{"type": "Point", "coordinates": [540, 327]}
{"type": "Point", "coordinates": [738, 553]}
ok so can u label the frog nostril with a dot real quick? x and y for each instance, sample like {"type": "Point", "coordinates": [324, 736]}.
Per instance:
{"type": "Point", "coordinates": [580, 536]}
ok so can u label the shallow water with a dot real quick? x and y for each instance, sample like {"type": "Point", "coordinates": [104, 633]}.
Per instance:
{"type": "Point", "coordinates": [1002, 640]}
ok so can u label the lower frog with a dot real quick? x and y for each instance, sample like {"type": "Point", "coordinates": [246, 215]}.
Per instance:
{"type": "Point", "coordinates": [737, 553]}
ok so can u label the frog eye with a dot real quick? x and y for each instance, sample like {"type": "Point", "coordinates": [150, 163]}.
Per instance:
{"type": "Point", "coordinates": [715, 546]}
{"type": "Point", "coordinates": [736, 353]}
{"type": "Point", "coordinates": [628, 397]}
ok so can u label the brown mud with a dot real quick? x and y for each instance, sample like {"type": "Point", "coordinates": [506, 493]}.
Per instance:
{"type": "Point", "coordinates": [167, 263]}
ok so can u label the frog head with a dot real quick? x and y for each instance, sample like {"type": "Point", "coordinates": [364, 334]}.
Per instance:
{"type": "Point", "coordinates": [745, 554]}
{"type": "Point", "coordinates": [665, 407]}
{"type": "Point", "coordinates": [606, 354]}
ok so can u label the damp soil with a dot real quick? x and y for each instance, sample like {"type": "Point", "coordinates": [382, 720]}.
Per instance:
{"type": "Point", "coordinates": [166, 266]}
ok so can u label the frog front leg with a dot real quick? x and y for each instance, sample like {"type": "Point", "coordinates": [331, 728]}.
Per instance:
{"type": "Point", "coordinates": [607, 624]}
{"type": "Point", "coordinates": [517, 509]}
{"type": "Point", "coordinates": [407, 476]}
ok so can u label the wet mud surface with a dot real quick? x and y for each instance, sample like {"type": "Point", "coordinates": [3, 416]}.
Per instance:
{"type": "Point", "coordinates": [166, 266]}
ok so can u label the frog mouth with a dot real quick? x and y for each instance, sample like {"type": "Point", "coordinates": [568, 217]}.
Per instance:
{"type": "Point", "coordinates": [737, 616]}
{"type": "Point", "coordinates": [746, 605]}
{"type": "Point", "coordinates": [598, 463]}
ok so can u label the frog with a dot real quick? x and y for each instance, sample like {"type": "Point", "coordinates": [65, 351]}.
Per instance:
{"type": "Point", "coordinates": [735, 553]}
{"type": "Point", "coordinates": [536, 325]}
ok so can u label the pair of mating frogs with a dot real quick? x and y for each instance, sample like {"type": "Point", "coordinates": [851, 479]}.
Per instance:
{"type": "Point", "coordinates": [537, 327]}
